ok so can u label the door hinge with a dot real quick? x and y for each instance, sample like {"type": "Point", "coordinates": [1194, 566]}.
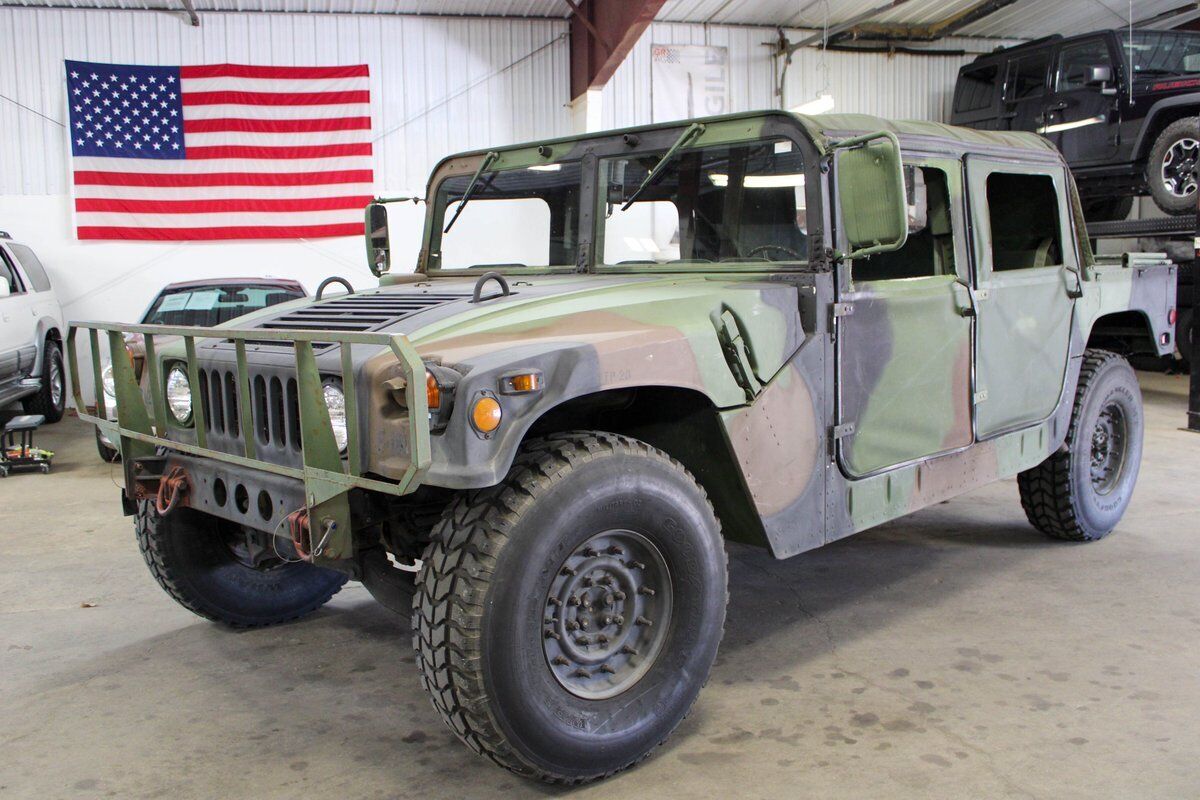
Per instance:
{"type": "Point", "coordinates": [836, 434]}
{"type": "Point", "coordinates": [981, 395]}
{"type": "Point", "coordinates": [838, 310]}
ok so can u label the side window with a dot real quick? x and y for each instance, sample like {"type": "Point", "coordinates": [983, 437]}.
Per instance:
{"type": "Point", "coordinates": [1075, 60]}
{"type": "Point", "coordinates": [9, 282]}
{"type": "Point", "coordinates": [976, 88]}
{"type": "Point", "coordinates": [1026, 77]}
{"type": "Point", "coordinates": [33, 268]}
{"type": "Point", "coordinates": [930, 246]}
{"type": "Point", "coordinates": [1023, 212]}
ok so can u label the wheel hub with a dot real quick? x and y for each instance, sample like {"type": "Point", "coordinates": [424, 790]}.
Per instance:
{"type": "Point", "coordinates": [1179, 167]}
{"type": "Point", "coordinates": [1108, 448]}
{"type": "Point", "coordinates": [56, 383]}
{"type": "Point", "coordinates": [607, 614]}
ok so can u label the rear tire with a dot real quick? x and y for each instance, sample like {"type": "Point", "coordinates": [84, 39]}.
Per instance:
{"type": "Point", "coordinates": [191, 557]}
{"type": "Point", "coordinates": [1171, 168]}
{"type": "Point", "coordinates": [1107, 209]}
{"type": "Point", "coordinates": [1081, 491]}
{"type": "Point", "coordinates": [597, 546]}
{"type": "Point", "coordinates": [50, 400]}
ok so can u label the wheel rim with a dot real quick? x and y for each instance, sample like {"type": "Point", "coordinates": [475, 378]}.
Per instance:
{"type": "Point", "coordinates": [608, 612]}
{"type": "Point", "coordinates": [1109, 439]}
{"type": "Point", "coordinates": [1179, 167]}
{"type": "Point", "coordinates": [56, 382]}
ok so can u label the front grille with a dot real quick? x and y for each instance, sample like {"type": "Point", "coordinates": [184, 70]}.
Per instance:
{"type": "Point", "coordinates": [274, 409]}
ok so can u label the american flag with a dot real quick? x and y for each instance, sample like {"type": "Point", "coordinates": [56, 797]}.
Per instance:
{"type": "Point", "coordinates": [221, 151]}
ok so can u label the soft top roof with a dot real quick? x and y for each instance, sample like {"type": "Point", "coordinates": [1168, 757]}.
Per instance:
{"type": "Point", "coordinates": [822, 127]}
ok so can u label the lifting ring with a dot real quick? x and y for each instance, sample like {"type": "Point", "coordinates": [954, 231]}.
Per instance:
{"type": "Point", "coordinates": [483, 279]}
{"type": "Point", "coordinates": [334, 279]}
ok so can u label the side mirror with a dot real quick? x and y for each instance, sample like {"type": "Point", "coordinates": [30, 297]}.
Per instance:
{"type": "Point", "coordinates": [379, 252]}
{"type": "Point", "coordinates": [1098, 75]}
{"type": "Point", "coordinates": [5, 290]}
{"type": "Point", "coordinates": [871, 195]}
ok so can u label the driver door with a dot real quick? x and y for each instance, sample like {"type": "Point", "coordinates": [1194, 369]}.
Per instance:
{"type": "Point", "coordinates": [904, 340]}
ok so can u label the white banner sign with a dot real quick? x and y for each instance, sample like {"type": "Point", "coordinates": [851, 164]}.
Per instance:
{"type": "Point", "coordinates": [688, 80]}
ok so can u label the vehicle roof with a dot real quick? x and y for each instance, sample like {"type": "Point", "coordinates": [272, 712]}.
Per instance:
{"type": "Point", "coordinates": [823, 127]}
{"type": "Point", "coordinates": [275, 283]}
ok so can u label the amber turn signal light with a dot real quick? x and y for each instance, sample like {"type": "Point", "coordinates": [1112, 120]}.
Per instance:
{"type": "Point", "coordinates": [521, 383]}
{"type": "Point", "coordinates": [485, 414]}
{"type": "Point", "coordinates": [433, 392]}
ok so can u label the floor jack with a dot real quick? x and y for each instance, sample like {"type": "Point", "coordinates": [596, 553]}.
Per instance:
{"type": "Point", "coordinates": [22, 456]}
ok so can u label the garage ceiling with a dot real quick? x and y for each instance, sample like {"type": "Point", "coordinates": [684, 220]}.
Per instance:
{"type": "Point", "coordinates": [1023, 19]}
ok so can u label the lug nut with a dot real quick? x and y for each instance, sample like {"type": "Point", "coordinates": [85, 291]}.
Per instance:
{"type": "Point", "coordinates": [581, 673]}
{"type": "Point", "coordinates": [553, 635]}
{"type": "Point", "coordinates": [646, 590]}
{"type": "Point", "coordinates": [628, 651]}
{"type": "Point", "coordinates": [572, 625]}
{"type": "Point", "coordinates": [559, 661]}
{"type": "Point", "coordinates": [618, 620]}
{"type": "Point", "coordinates": [573, 600]}
{"type": "Point", "coordinates": [568, 570]}
{"type": "Point", "coordinates": [635, 564]}
{"type": "Point", "coordinates": [616, 550]}
{"type": "Point", "coordinates": [619, 595]}
{"type": "Point", "coordinates": [590, 552]}
{"type": "Point", "coordinates": [587, 581]}
{"type": "Point", "coordinates": [554, 601]}
{"type": "Point", "coordinates": [608, 669]}
{"type": "Point", "coordinates": [583, 623]}
{"type": "Point", "coordinates": [602, 639]}
{"type": "Point", "coordinates": [644, 621]}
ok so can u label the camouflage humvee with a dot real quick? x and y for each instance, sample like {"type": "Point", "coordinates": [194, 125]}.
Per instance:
{"type": "Point", "coordinates": [618, 349]}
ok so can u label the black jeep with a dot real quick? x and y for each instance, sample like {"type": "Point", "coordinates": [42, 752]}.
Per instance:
{"type": "Point", "coordinates": [1122, 107]}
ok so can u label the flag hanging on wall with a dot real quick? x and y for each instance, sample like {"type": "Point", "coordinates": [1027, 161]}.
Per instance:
{"type": "Point", "coordinates": [222, 151]}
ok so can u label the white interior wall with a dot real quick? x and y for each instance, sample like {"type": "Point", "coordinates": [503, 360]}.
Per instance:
{"type": "Point", "coordinates": [438, 85]}
{"type": "Point", "coordinates": [897, 86]}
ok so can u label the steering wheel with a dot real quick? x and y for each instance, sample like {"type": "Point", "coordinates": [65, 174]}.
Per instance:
{"type": "Point", "coordinates": [764, 247]}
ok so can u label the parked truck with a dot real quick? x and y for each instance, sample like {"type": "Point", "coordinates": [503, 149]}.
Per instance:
{"type": "Point", "coordinates": [618, 350]}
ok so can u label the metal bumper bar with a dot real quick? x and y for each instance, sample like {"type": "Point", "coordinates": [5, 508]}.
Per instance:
{"type": "Point", "coordinates": [140, 428]}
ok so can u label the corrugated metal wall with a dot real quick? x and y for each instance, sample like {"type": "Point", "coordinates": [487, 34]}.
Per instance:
{"type": "Point", "coordinates": [437, 84]}
{"type": "Point", "coordinates": [899, 86]}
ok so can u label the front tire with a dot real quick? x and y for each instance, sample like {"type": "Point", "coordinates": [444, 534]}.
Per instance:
{"type": "Point", "coordinates": [1081, 491]}
{"type": "Point", "coordinates": [108, 454]}
{"type": "Point", "coordinates": [1171, 168]}
{"type": "Point", "coordinates": [202, 562]}
{"type": "Point", "coordinates": [566, 619]}
{"type": "Point", "coordinates": [51, 400]}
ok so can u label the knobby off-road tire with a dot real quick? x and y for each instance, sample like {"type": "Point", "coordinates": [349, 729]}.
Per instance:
{"type": "Point", "coordinates": [578, 516]}
{"type": "Point", "coordinates": [191, 557]}
{"type": "Point", "coordinates": [1178, 145]}
{"type": "Point", "coordinates": [1081, 491]}
{"type": "Point", "coordinates": [51, 400]}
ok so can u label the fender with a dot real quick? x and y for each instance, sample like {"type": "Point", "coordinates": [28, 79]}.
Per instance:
{"type": "Point", "coordinates": [1143, 143]}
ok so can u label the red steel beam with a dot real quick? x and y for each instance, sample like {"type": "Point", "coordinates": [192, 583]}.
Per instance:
{"type": "Point", "coordinates": [602, 34]}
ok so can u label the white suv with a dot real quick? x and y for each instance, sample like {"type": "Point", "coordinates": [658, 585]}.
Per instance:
{"type": "Point", "coordinates": [31, 334]}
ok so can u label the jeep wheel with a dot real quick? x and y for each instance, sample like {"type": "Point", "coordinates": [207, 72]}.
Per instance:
{"type": "Point", "coordinates": [1107, 209]}
{"type": "Point", "coordinates": [1171, 169]}
{"type": "Point", "coordinates": [566, 619]}
{"type": "Point", "coordinates": [51, 399]}
{"type": "Point", "coordinates": [1080, 492]}
{"type": "Point", "coordinates": [211, 568]}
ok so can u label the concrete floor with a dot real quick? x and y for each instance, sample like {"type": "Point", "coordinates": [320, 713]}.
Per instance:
{"type": "Point", "coordinates": [955, 653]}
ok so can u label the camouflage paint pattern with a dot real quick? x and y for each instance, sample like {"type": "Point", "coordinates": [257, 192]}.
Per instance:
{"type": "Point", "coordinates": [902, 368]}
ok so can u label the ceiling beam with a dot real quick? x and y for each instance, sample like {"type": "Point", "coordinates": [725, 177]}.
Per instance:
{"type": "Point", "coordinates": [602, 34]}
{"type": "Point", "coordinates": [828, 33]}
{"type": "Point", "coordinates": [929, 32]}
{"type": "Point", "coordinates": [193, 17]}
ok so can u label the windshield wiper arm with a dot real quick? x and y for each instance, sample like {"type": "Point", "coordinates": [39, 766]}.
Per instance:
{"type": "Point", "coordinates": [693, 130]}
{"type": "Point", "coordinates": [466, 196]}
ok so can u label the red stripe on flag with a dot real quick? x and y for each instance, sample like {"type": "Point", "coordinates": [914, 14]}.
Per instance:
{"type": "Point", "coordinates": [220, 206]}
{"type": "Point", "coordinates": [303, 151]}
{"type": "Point", "coordinates": [275, 98]}
{"type": "Point", "coordinates": [98, 178]}
{"type": "Point", "coordinates": [254, 71]}
{"type": "Point", "coordinates": [276, 125]}
{"type": "Point", "coordinates": [231, 232]}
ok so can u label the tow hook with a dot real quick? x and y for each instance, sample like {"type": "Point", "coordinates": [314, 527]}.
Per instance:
{"type": "Point", "coordinates": [172, 488]}
{"type": "Point", "coordinates": [301, 533]}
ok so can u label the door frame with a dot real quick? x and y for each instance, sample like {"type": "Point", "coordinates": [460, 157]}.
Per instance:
{"type": "Point", "coordinates": [954, 167]}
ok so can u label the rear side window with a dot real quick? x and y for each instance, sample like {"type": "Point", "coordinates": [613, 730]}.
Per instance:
{"type": "Point", "coordinates": [976, 88]}
{"type": "Point", "coordinates": [33, 268]}
{"type": "Point", "coordinates": [1075, 60]}
{"type": "Point", "coordinates": [1026, 76]}
{"type": "Point", "coordinates": [1023, 211]}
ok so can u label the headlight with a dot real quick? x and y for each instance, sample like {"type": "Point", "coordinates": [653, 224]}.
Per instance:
{"type": "Point", "coordinates": [179, 394]}
{"type": "Point", "coordinates": [335, 401]}
{"type": "Point", "coordinates": [106, 378]}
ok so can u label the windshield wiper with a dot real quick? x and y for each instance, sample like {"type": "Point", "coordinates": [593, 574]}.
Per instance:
{"type": "Point", "coordinates": [466, 196]}
{"type": "Point", "coordinates": [693, 130]}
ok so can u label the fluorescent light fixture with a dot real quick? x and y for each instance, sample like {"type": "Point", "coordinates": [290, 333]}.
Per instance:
{"type": "Point", "coordinates": [822, 104]}
{"type": "Point", "coordinates": [760, 181]}
{"type": "Point", "coordinates": [547, 168]}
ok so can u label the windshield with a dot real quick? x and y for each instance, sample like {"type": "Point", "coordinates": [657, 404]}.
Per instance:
{"type": "Point", "coordinates": [740, 202]}
{"type": "Point", "coordinates": [1162, 52]}
{"type": "Point", "coordinates": [212, 305]}
{"type": "Point", "coordinates": [527, 217]}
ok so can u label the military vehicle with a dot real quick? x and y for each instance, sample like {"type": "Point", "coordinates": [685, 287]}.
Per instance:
{"type": "Point", "coordinates": [616, 351]}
